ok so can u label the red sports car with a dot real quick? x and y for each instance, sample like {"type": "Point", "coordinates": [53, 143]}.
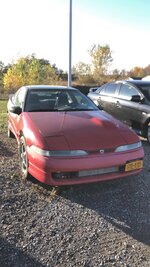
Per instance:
{"type": "Point", "coordinates": [64, 138]}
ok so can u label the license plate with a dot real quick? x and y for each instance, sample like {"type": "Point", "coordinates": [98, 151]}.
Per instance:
{"type": "Point", "coordinates": [134, 165]}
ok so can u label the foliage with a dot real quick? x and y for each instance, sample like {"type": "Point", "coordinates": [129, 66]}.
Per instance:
{"type": "Point", "coordinates": [137, 72]}
{"type": "Point", "coordinates": [29, 70]}
{"type": "Point", "coordinates": [1, 76]}
{"type": "Point", "coordinates": [147, 70]}
{"type": "Point", "coordinates": [101, 58]}
{"type": "Point", "coordinates": [82, 72]}
{"type": "Point", "coordinates": [140, 72]}
{"type": "Point", "coordinates": [82, 68]}
{"type": "Point", "coordinates": [1, 67]}
{"type": "Point", "coordinates": [3, 114]}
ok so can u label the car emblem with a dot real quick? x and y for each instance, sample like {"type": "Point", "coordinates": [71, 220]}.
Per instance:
{"type": "Point", "coordinates": [102, 151]}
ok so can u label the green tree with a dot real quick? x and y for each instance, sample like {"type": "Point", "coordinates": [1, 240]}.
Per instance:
{"type": "Point", "coordinates": [29, 70]}
{"type": "Point", "coordinates": [116, 74]}
{"type": "Point", "coordinates": [82, 72]}
{"type": "Point", "coordinates": [82, 68]}
{"type": "Point", "coordinates": [101, 57]}
{"type": "Point", "coordinates": [2, 67]}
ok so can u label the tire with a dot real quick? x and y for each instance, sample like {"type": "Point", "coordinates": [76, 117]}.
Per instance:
{"type": "Point", "coordinates": [23, 159]}
{"type": "Point", "coordinates": [10, 134]}
{"type": "Point", "coordinates": [148, 133]}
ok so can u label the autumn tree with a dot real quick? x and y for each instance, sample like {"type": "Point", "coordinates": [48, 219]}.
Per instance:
{"type": "Point", "coordinates": [29, 70]}
{"type": "Point", "coordinates": [101, 57]}
{"type": "Point", "coordinates": [137, 72]}
{"type": "Point", "coordinates": [147, 70]}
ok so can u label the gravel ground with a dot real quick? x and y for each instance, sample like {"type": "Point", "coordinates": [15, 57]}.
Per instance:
{"type": "Point", "coordinates": [105, 224]}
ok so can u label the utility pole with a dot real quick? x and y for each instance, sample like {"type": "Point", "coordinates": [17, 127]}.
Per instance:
{"type": "Point", "coordinates": [70, 44]}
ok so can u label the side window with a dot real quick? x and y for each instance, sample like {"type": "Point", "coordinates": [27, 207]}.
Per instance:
{"type": "Point", "coordinates": [19, 97]}
{"type": "Point", "coordinates": [110, 89]}
{"type": "Point", "coordinates": [102, 91]}
{"type": "Point", "coordinates": [127, 91]}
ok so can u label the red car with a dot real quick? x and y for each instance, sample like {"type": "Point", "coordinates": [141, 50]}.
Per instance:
{"type": "Point", "coordinates": [64, 138]}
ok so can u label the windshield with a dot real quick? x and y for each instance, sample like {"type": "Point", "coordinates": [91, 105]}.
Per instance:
{"type": "Point", "coordinates": [57, 100]}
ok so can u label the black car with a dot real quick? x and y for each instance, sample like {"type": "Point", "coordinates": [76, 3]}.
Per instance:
{"type": "Point", "coordinates": [128, 101]}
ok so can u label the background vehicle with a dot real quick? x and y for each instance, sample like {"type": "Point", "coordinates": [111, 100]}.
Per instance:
{"type": "Point", "coordinates": [64, 138]}
{"type": "Point", "coordinates": [128, 101]}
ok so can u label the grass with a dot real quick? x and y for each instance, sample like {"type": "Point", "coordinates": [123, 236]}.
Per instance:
{"type": "Point", "coordinates": [3, 114]}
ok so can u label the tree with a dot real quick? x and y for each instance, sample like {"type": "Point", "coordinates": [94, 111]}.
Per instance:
{"type": "Point", "coordinates": [147, 70]}
{"type": "Point", "coordinates": [137, 72]}
{"type": "Point", "coordinates": [1, 67]}
{"type": "Point", "coordinates": [116, 74]}
{"type": "Point", "coordinates": [82, 68]}
{"type": "Point", "coordinates": [29, 70]}
{"type": "Point", "coordinates": [1, 75]}
{"type": "Point", "coordinates": [101, 59]}
{"type": "Point", "coordinates": [82, 72]}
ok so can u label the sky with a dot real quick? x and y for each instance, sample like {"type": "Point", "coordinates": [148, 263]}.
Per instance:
{"type": "Point", "coordinates": [42, 27]}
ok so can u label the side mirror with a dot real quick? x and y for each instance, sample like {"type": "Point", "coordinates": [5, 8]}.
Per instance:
{"type": "Point", "coordinates": [15, 109]}
{"type": "Point", "coordinates": [136, 98]}
{"type": "Point", "coordinates": [91, 90]}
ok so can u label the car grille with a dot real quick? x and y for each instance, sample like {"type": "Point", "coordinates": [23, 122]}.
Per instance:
{"type": "Point", "coordinates": [85, 173]}
{"type": "Point", "coordinates": [97, 171]}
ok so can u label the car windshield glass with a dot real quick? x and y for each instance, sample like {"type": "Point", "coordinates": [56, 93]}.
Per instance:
{"type": "Point", "coordinates": [146, 91]}
{"type": "Point", "coordinates": [57, 100]}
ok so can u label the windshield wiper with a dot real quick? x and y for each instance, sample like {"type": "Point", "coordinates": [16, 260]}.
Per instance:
{"type": "Point", "coordinates": [61, 110]}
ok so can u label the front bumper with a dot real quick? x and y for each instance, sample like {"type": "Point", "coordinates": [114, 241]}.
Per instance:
{"type": "Point", "coordinates": [44, 168]}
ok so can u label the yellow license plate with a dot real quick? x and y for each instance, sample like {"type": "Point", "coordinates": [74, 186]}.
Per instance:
{"type": "Point", "coordinates": [134, 165]}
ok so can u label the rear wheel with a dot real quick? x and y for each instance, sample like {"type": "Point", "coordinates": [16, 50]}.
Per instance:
{"type": "Point", "coordinates": [23, 159]}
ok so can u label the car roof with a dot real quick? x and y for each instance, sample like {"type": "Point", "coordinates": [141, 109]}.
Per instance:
{"type": "Point", "coordinates": [30, 87]}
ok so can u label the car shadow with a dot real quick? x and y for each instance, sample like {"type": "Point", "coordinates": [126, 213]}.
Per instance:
{"type": "Point", "coordinates": [123, 203]}
{"type": "Point", "coordinates": [13, 257]}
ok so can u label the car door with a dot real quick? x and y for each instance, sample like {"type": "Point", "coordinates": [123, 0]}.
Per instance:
{"type": "Point", "coordinates": [128, 106]}
{"type": "Point", "coordinates": [95, 96]}
{"type": "Point", "coordinates": [15, 119]}
{"type": "Point", "coordinates": [107, 98]}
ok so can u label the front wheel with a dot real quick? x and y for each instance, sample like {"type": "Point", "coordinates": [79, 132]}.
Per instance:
{"type": "Point", "coordinates": [10, 134]}
{"type": "Point", "coordinates": [23, 158]}
{"type": "Point", "coordinates": [148, 133]}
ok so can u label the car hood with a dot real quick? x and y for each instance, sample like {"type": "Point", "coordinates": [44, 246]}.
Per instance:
{"type": "Point", "coordinates": [87, 130]}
